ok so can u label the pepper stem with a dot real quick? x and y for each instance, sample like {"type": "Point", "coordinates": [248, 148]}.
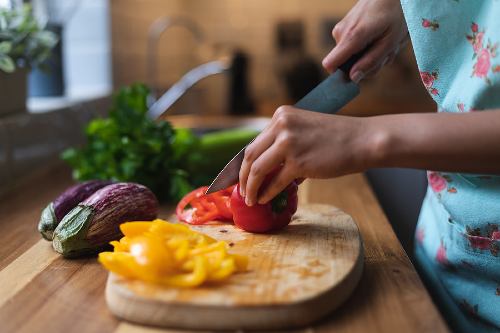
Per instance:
{"type": "Point", "coordinates": [279, 202]}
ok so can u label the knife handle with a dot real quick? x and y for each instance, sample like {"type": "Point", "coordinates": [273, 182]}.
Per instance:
{"type": "Point", "coordinates": [346, 66]}
{"type": "Point", "coordinates": [334, 92]}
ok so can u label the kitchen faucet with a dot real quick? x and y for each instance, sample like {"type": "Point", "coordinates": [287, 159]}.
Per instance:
{"type": "Point", "coordinates": [228, 60]}
{"type": "Point", "coordinates": [162, 104]}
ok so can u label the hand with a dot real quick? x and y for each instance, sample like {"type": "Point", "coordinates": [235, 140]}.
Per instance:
{"type": "Point", "coordinates": [379, 24]}
{"type": "Point", "coordinates": [306, 145]}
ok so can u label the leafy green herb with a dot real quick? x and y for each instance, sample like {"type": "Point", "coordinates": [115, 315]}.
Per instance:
{"type": "Point", "coordinates": [128, 146]}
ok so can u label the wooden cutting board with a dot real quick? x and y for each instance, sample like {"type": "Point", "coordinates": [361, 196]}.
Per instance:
{"type": "Point", "coordinates": [295, 277]}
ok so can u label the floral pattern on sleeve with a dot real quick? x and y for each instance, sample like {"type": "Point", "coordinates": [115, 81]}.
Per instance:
{"type": "Point", "coordinates": [487, 240]}
{"type": "Point", "coordinates": [428, 78]}
{"type": "Point", "coordinates": [439, 182]}
{"type": "Point", "coordinates": [441, 256]}
{"type": "Point", "coordinates": [472, 310]}
{"type": "Point", "coordinates": [482, 55]}
{"type": "Point", "coordinates": [420, 235]}
{"type": "Point", "coordinates": [430, 24]}
{"type": "Point", "coordinates": [456, 45]}
{"type": "Point", "coordinates": [461, 108]}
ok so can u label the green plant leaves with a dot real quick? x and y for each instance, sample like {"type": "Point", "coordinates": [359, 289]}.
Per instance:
{"type": "Point", "coordinates": [22, 40]}
{"type": "Point", "coordinates": [128, 146]}
{"type": "Point", "coordinates": [7, 64]}
{"type": "Point", "coordinates": [5, 47]}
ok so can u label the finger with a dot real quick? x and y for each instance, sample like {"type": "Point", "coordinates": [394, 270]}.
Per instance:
{"type": "Point", "coordinates": [372, 60]}
{"type": "Point", "coordinates": [350, 44]}
{"type": "Point", "coordinates": [267, 162]}
{"type": "Point", "coordinates": [278, 184]}
{"type": "Point", "coordinates": [259, 145]}
{"type": "Point", "coordinates": [337, 31]}
{"type": "Point", "coordinates": [262, 142]}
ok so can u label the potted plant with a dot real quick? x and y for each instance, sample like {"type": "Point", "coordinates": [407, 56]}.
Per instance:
{"type": "Point", "coordinates": [23, 44]}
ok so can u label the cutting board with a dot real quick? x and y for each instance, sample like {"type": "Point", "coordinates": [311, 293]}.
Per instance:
{"type": "Point", "coordinates": [295, 277]}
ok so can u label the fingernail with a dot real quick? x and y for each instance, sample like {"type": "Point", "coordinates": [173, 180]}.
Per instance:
{"type": "Point", "coordinates": [262, 202]}
{"type": "Point", "coordinates": [248, 202]}
{"type": "Point", "coordinates": [242, 193]}
{"type": "Point", "coordinates": [325, 62]}
{"type": "Point", "coordinates": [357, 77]}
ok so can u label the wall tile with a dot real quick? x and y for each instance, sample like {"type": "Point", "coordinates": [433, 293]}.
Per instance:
{"type": "Point", "coordinates": [89, 70]}
{"type": "Point", "coordinates": [87, 47]}
{"type": "Point", "coordinates": [249, 25]}
{"type": "Point", "coordinates": [89, 21]}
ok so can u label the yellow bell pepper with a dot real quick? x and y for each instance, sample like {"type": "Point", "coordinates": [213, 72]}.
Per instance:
{"type": "Point", "coordinates": [171, 255]}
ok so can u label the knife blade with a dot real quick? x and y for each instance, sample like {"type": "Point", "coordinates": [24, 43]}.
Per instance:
{"type": "Point", "coordinates": [327, 97]}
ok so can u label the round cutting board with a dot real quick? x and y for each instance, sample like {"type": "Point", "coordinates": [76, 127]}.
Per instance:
{"type": "Point", "coordinates": [295, 277]}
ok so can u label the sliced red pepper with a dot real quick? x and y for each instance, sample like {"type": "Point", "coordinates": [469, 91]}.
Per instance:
{"type": "Point", "coordinates": [205, 208]}
{"type": "Point", "coordinates": [222, 200]}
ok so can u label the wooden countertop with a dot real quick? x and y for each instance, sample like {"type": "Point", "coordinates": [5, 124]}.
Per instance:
{"type": "Point", "coordinates": [42, 292]}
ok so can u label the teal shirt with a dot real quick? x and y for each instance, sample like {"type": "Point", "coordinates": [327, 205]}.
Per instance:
{"type": "Point", "coordinates": [457, 46]}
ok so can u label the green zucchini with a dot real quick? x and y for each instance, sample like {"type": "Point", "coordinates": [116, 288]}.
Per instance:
{"type": "Point", "coordinates": [215, 150]}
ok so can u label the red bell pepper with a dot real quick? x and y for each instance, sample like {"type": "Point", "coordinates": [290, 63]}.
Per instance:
{"type": "Point", "coordinates": [198, 208]}
{"type": "Point", "coordinates": [271, 216]}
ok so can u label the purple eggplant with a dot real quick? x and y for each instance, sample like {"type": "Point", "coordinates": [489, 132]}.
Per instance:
{"type": "Point", "coordinates": [90, 226]}
{"type": "Point", "coordinates": [56, 210]}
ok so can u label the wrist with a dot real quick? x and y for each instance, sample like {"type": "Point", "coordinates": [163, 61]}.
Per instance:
{"type": "Point", "coordinates": [379, 141]}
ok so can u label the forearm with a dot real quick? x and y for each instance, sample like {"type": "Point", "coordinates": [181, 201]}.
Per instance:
{"type": "Point", "coordinates": [465, 142]}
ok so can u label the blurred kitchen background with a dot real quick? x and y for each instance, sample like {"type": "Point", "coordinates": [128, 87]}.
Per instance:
{"type": "Point", "coordinates": [270, 51]}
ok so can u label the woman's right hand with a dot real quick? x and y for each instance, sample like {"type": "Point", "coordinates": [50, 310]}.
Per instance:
{"type": "Point", "coordinates": [376, 24]}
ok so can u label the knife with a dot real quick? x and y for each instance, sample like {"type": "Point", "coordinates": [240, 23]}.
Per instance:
{"type": "Point", "coordinates": [327, 97]}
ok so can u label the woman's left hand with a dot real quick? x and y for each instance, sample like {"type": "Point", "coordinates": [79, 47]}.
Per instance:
{"type": "Point", "coordinates": [306, 145]}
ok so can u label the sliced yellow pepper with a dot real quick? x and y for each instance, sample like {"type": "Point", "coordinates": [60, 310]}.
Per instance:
{"type": "Point", "coordinates": [118, 262]}
{"type": "Point", "coordinates": [170, 254]}
{"type": "Point", "coordinates": [192, 279]}
{"type": "Point", "coordinates": [131, 229]}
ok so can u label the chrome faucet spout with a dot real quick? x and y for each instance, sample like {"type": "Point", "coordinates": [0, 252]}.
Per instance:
{"type": "Point", "coordinates": [187, 81]}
